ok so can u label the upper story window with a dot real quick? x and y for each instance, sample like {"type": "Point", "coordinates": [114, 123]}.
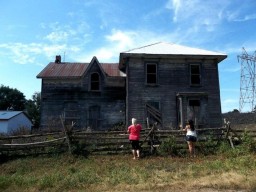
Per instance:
{"type": "Point", "coordinates": [195, 74]}
{"type": "Point", "coordinates": [151, 73]}
{"type": "Point", "coordinates": [95, 82]}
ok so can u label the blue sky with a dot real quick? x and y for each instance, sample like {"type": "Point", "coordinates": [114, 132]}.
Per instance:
{"type": "Point", "coordinates": [34, 31]}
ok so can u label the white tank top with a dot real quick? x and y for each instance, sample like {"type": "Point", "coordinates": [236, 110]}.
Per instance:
{"type": "Point", "coordinates": [191, 133]}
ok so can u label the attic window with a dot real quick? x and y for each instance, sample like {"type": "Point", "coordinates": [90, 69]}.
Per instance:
{"type": "Point", "coordinates": [151, 73]}
{"type": "Point", "coordinates": [195, 74]}
{"type": "Point", "coordinates": [95, 82]}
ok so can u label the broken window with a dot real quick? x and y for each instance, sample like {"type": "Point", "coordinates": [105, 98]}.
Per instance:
{"type": "Point", "coordinates": [151, 71]}
{"type": "Point", "coordinates": [95, 82]}
{"type": "Point", "coordinates": [195, 74]}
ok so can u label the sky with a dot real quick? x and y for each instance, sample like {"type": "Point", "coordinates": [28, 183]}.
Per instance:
{"type": "Point", "coordinates": [33, 32]}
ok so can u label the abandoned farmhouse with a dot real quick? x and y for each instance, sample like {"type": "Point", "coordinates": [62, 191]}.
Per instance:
{"type": "Point", "coordinates": [162, 82]}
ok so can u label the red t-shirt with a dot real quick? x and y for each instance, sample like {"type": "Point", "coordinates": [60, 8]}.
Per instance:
{"type": "Point", "coordinates": [134, 132]}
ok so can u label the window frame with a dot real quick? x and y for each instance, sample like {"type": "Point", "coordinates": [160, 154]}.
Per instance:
{"type": "Point", "coordinates": [198, 75]}
{"type": "Point", "coordinates": [92, 81]}
{"type": "Point", "coordinates": [147, 64]}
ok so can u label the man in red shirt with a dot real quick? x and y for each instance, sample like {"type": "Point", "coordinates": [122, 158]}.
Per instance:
{"type": "Point", "coordinates": [134, 137]}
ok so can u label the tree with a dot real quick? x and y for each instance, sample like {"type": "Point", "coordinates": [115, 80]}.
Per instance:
{"type": "Point", "coordinates": [11, 99]}
{"type": "Point", "coordinates": [33, 109]}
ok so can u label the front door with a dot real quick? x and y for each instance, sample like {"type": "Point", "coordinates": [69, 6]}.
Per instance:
{"type": "Point", "coordinates": [94, 117]}
{"type": "Point", "coordinates": [194, 107]}
{"type": "Point", "coordinates": [193, 110]}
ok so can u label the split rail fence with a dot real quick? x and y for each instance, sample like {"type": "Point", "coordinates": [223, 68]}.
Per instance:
{"type": "Point", "coordinates": [110, 142]}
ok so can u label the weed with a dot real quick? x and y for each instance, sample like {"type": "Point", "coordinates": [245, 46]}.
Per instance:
{"type": "Point", "coordinates": [248, 143]}
{"type": "Point", "coordinates": [5, 182]}
{"type": "Point", "coordinates": [168, 147]}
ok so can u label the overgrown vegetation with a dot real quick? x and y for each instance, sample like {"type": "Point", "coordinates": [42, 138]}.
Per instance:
{"type": "Point", "coordinates": [169, 147]}
{"type": "Point", "coordinates": [226, 169]}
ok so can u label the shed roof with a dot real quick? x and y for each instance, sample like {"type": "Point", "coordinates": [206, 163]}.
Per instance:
{"type": "Point", "coordinates": [75, 70]}
{"type": "Point", "coordinates": [5, 115]}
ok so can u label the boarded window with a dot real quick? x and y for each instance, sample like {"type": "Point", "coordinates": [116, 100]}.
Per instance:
{"type": "Point", "coordinates": [151, 73]}
{"type": "Point", "coordinates": [195, 74]}
{"type": "Point", "coordinates": [153, 112]}
{"type": "Point", "coordinates": [155, 104]}
{"type": "Point", "coordinates": [95, 82]}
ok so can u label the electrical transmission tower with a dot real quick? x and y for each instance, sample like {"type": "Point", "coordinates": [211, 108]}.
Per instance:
{"type": "Point", "coordinates": [247, 81]}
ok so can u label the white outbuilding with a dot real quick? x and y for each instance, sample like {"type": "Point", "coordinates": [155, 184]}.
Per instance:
{"type": "Point", "coordinates": [11, 121]}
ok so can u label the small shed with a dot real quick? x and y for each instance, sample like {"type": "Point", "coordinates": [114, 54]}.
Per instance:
{"type": "Point", "coordinates": [11, 121]}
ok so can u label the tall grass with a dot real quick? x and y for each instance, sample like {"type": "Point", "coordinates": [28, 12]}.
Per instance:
{"type": "Point", "coordinates": [121, 173]}
{"type": "Point", "coordinates": [226, 169]}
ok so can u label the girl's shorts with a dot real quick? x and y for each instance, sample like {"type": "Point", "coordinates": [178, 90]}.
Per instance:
{"type": "Point", "coordinates": [191, 138]}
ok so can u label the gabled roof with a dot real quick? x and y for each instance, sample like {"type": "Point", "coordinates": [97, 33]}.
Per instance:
{"type": "Point", "coordinates": [5, 115]}
{"type": "Point", "coordinates": [170, 49]}
{"type": "Point", "coordinates": [76, 70]}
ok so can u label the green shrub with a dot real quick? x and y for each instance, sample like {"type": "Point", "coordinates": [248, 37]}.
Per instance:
{"type": "Point", "coordinates": [248, 143]}
{"type": "Point", "coordinates": [245, 146]}
{"type": "Point", "coordinates": [168, 147]}
{"type": "Point", "coordinates": [207, 144]}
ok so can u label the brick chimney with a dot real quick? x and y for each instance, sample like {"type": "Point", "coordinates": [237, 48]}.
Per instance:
{"type": "Point", "coordinates": [58, 59]}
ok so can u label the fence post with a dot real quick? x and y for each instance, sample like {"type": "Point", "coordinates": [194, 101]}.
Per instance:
{"type": "Point", "coordinates": [228, 137]}
{"type": "Point", "coordinates": [67, 133]}
{"type": "Point", "coordinates": [228, 130]}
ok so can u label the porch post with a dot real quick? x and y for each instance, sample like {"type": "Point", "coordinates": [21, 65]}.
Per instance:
{"type": "Point", "coordinates": [181, 111]}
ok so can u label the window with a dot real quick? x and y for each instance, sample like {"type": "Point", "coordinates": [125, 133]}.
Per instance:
{"type": "Point", "coordinates": [153, 112]}
{"type": "Point", "coordinates": [151, 72]}
{"type": "Point", "coordinates": [155, 104]}
{"type": "Point", "coordinates": [95, 82]}
{"type": "Point", "coordinates": [194, 103]}
{"type": "Point", "coordinates": [195, 74]}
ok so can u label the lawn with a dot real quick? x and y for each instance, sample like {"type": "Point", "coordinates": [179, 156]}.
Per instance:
{"type": "Point", "coordinates": [219, 172]}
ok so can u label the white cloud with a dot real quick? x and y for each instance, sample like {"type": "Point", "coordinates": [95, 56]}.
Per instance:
{"type": "Point", "coordinates": [28, 53]}
{"type": "Point", "coordinates": [67, 33]}
{"type": "Point", "coordinates": [122, 39]}
{"type": "Point", "coordinates": [175, 5]}
{"type": "Point", "coordinates": [57, 36]}
{"type": "Point", "coordinates": [118, 41]}
{"type": "Point", "coordinates": [201, 15]}
{"type": "Point", "coordinates": [245, 12]}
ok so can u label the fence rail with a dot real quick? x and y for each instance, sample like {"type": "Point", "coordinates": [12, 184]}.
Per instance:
{"type": "Point", "coordinates": [108, 141]}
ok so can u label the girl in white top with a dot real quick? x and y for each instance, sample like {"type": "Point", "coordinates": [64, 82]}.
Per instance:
{"type": "Point", "coordinates": [191, 136]}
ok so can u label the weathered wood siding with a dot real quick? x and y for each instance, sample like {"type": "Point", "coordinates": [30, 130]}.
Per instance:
{"type": "Point", "coordinates": [173, 77]}
{"type": "Point", "coordinates": [74, 98]}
